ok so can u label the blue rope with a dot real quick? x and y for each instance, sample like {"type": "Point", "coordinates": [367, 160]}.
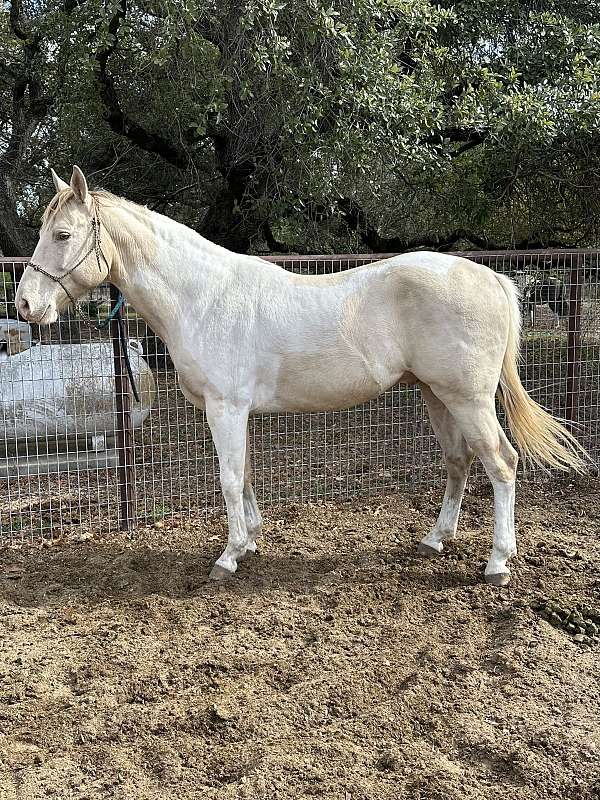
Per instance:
{"type": "Point", "coordinates": [113, 313]}
{"type": "Point", "coordinates": [123, 342]}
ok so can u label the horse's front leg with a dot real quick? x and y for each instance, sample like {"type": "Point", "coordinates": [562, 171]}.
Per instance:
{"type": "Point", "coordinates": [228, 424]}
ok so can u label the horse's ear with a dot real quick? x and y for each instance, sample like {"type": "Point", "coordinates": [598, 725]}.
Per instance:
{"type": "Point", "coordinates": [59, 184]}
{"type": "Point", "coordinates": [79, 184]}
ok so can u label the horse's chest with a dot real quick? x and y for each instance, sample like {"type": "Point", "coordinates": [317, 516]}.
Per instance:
{"type": "Point", "coordinates": [193, 387]}
{"type": "Point", "coordinates": [195, 378]}
{"type": "Point", "coordinates": [213, 371]}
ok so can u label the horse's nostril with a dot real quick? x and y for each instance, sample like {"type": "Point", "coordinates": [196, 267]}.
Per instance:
{"type": "Point", "coordinates": [23, 308]}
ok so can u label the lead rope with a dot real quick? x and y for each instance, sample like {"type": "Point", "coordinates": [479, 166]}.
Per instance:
{"type": "Point", "coordinates": [114, 313]}
{"type": "Point", "coordinates": [125, 351]}
{"type": "Point", "coordinates": [96, 248]}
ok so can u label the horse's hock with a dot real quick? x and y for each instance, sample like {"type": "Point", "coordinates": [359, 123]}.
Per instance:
{"type": "Point", "coordinates": [57, 404]}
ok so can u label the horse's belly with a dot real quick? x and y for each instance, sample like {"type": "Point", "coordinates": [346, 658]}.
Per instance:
{"type": "Point", "coordinates": [324, 382]}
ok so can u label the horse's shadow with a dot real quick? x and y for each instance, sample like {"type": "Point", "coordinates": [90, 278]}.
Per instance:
{"type": "Point", "coordinates": [108, 572]}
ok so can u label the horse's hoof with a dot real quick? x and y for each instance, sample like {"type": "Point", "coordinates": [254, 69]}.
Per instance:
{"type": "Point", "coordinates": [498, 579]}
{"type": "Point", "coordinates": [219, 573]}
{"type": "Point", "coordinates": [427, 551]}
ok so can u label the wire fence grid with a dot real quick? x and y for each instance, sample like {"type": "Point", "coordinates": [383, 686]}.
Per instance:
{"type": "Point", "coordinates": [78, 453]}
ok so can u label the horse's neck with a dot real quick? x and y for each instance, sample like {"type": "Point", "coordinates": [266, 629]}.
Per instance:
{"type": "Point", "coordinates": [165, 270]}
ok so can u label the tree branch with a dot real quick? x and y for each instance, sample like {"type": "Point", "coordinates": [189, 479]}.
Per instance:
{"type": "Point", "coordinates": [357, 221]}
{"type": "Point", "coordinates": [474, 142]}
{"type": "Point", "coordinates": [17, 20]}
{"type": "Point", "coordinates": [467, 136]}
{"type": "Point", "coordinates": [71, 5]}
{"type": "Point", "coordinates": [276, 246]}
{"type": "Point", "coordinates": [118, 120]}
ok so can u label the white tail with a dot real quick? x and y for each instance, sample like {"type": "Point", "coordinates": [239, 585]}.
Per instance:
{"type": "Point", "coordinates": [540, 438]}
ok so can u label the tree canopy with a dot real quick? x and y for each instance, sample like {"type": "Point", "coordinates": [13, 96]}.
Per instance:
{"type": "Point", "coordinates": [310, 125]}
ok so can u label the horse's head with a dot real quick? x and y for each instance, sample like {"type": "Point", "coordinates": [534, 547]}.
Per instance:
{"type": "Point", "coordinates": [67, 262]}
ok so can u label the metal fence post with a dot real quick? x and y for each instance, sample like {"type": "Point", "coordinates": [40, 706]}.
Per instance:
{"type": "Point", "coordinates": [125, 443]}
{"type": "Point", "coordinates": [574, 338]}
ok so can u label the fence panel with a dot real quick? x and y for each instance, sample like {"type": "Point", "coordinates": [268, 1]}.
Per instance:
{"type": "Point", "coordinates": [64, 485]}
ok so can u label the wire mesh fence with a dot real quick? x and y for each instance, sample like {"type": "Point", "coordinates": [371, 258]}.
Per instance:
{"type": "Point", "coordinates": [77, 452]}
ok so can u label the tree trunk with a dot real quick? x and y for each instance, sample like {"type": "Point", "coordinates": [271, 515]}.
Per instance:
{"type": "Point", "coordinates": [225, 224]}
{"type": "Point", "coordinates": [16, 238]}
{"type": "Point", "coordinates": [231, 220]}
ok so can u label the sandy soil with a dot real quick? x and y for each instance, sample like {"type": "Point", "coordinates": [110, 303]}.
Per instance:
{"type": "Point", "coordinates": [336, 664]}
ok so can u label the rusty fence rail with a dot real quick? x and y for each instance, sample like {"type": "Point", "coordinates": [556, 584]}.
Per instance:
{"type": "Point", "coordinates": [158, 460]}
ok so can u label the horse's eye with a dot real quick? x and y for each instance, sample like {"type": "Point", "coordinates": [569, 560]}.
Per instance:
{"type": "Point", "coordinates": [62, 236]}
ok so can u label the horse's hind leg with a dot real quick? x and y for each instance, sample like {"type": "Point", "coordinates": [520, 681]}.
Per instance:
{"type": "Point", "coordinates": [251, 512]}
{"type": "Point", "coordinates": [480, 427]}
{"type": "Point", "coordinates": [458, 457]}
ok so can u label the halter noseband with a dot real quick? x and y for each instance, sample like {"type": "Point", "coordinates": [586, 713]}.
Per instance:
{"type": "Point", "coordinates": [95, 248]}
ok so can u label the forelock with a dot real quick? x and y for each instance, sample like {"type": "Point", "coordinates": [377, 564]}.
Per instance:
{"type": "Point", "coordinates": [55, 205]}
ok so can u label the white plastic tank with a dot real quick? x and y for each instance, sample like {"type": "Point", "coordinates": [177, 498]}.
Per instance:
{"type": "Point", "coordinates": [66, 391]}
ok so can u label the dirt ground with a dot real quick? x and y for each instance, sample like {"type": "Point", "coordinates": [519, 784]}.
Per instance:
{"type": "Point", "coordinates": [335, 664]}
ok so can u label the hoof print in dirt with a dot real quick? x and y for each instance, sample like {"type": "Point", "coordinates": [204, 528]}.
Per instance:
{"type": "Point", "coordinates": [389, 761]}
{"type": "Point", "coordinates": [581, 622]}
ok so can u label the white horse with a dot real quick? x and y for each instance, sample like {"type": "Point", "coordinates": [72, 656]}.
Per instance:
{"type": "Point", "coordinates": [248, 337]}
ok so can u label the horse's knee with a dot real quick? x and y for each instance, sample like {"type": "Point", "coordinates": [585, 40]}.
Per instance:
{"type": "Point", "coordinates": [231, 485]}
